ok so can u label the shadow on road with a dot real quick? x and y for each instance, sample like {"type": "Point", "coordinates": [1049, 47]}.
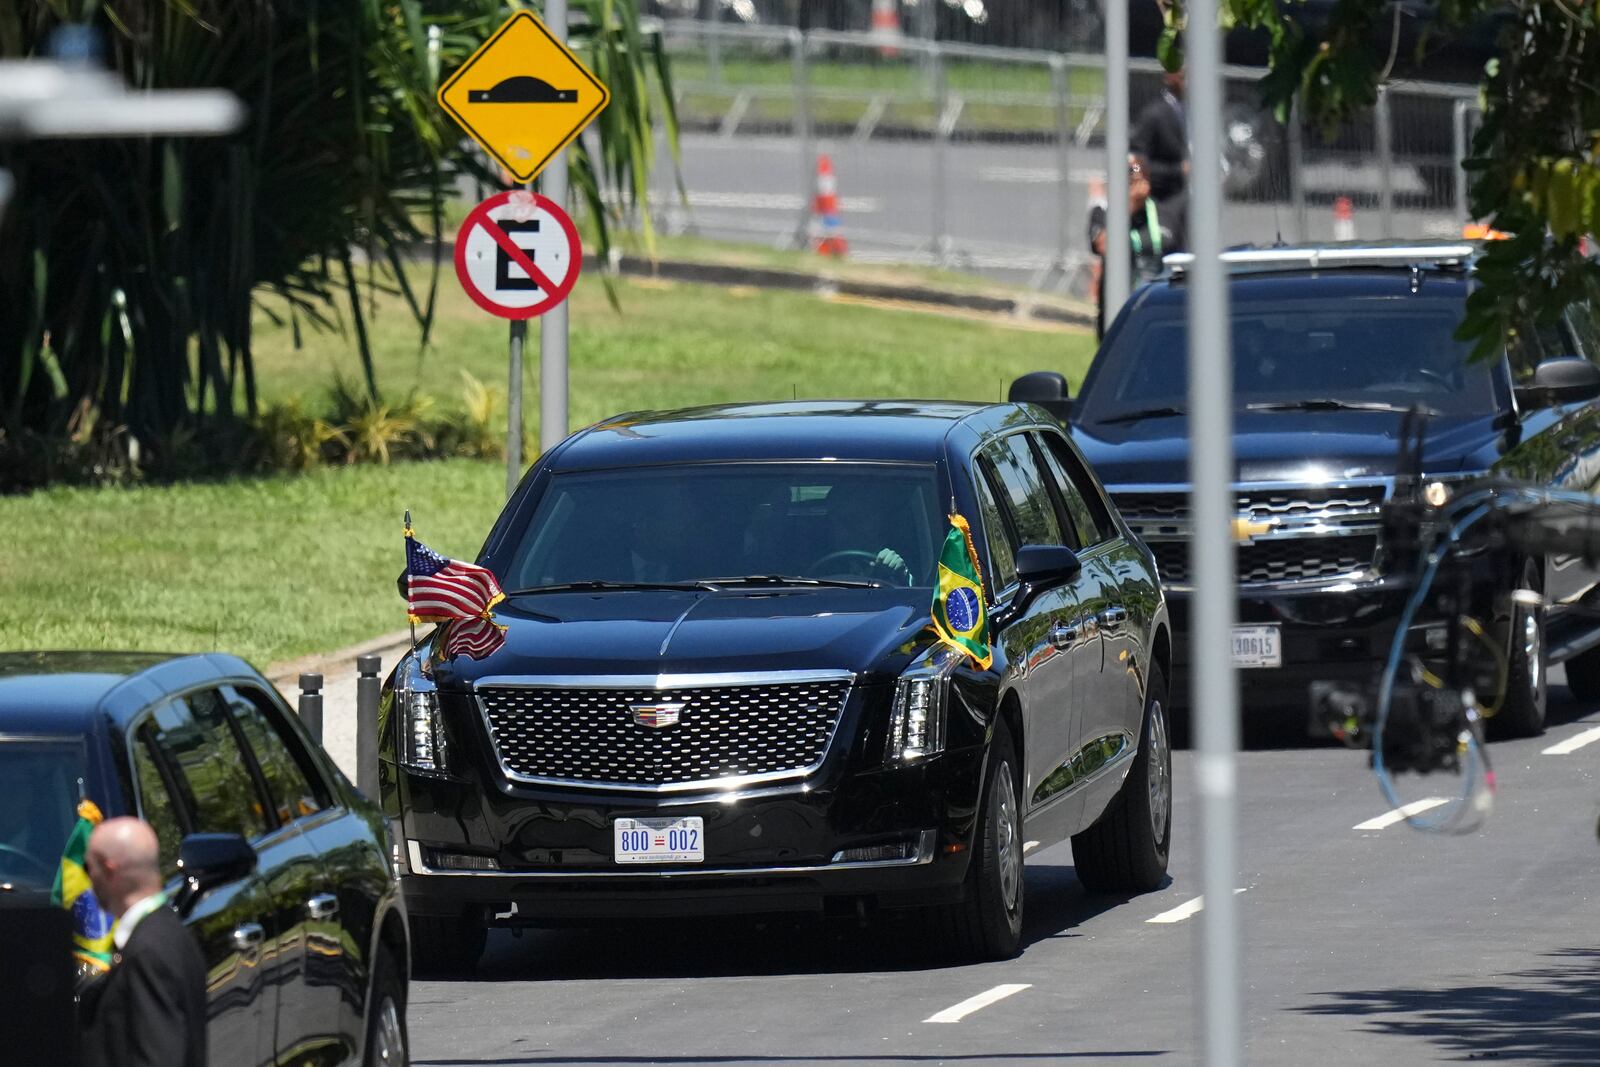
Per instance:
{"type": "Point", "coordinates": [769, 945]}
{"type": "Point", "coordinates": [1542, 1015]}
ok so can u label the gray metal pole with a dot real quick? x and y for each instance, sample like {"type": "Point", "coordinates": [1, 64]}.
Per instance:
{"type": "Point", "coordinates": [1297, 174]}
{"type": "Point", "coordinates": [1459, 137]}
{"type": "Point", "coordinates": [368, 690]}
{"type": "Point", "coordinates": [519, 331]}
{"type": "Point", "coordinates": [941, 156]}
{"type": "Point", "coordinates": [1061, 81]}
{"type": "Point", "coordinates": [310, 705]}
{"type": "Point", "coordinates": [1114, 284]}
{"type": "Point", "coordinates": [1216, 700]}
{"type": "Point", "coordinates": [798, 42]}
{"type": "Point", "coordinates": [553, 326]}
{"type": "Point", "coordinates": [1385, 131]}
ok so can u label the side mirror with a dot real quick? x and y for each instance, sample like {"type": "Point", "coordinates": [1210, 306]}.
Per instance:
{"type": "Point", "coordinates": [1559, 381]}
{"type": "Point", "coordinates": [1039, 568]}
{"type": "Point", "coordinates": [206, 861]}
{"type": "Point", "coordinates": [403, 586]}
{"type": "Point", "coordinates": [1045, 388]}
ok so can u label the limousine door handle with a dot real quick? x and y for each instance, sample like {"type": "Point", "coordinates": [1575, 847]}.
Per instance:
{"type": "Point", "coordinates": [322, 906]}
{"type": "Point", "coordinates": [247, 937]}
{"type": "Point", "coordinates": [1113, 617]}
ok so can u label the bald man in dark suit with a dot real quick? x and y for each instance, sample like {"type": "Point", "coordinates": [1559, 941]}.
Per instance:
{"type": "Point", "coordinates": [150, 1011]}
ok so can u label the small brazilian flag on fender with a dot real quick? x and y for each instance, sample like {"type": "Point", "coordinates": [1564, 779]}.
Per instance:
{"type": "Point", "coordinates": [959, 615]}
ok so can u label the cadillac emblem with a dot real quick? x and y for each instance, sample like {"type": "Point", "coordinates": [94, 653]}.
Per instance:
{"type": "Point", "coordinates": [655, 716]}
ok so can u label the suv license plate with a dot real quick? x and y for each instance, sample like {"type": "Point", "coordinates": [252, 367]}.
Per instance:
{"type": "Point", "coordinates": [660, 840]}
{"type": "Point", "coordinates": [1257, 646]}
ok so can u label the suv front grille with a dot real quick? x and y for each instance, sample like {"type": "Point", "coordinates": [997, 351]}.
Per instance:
{"type": "Point", "coordinates": [1293, 559]}
{"type": "Point", "coordinates": [589, 736]}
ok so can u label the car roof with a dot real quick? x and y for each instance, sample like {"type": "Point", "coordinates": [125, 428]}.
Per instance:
{"type": "Point", "coordinates": [1338, 281]}
{"type": "Point", "coordinates": [882, 430]}
{"type": "Point", "coordinates": [64, 692]}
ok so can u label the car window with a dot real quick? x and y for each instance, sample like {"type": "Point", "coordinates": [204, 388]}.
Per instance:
{"type": "Point", "coordinates": [1002, 550]}
{"type": "Point", "coordinates": [198, 741]}
{"type": "Point", "coordinates": [40, 786]}
{"type": "Point", "coordinates": [1084, 501]}
{"type": "Point", "coordinates": [1585, 326]}
{"type": "Point", "coordinates": [293, 784]}
{"type": "Point", "coordinates": [1531, 345]}
{"type": "Point", "coordinates": [155, 798]}
{"type": "Point", "coordinates": [1022, 494]}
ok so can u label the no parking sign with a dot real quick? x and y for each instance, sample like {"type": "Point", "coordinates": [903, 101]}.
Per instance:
{"type": "Point", "coordinates": [518, 255]}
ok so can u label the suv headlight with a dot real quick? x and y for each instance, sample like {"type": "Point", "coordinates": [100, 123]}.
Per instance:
{"type": "Point", "coordinates": [423, 746]}
{"type": "Point", "coordinates": [917, 722]}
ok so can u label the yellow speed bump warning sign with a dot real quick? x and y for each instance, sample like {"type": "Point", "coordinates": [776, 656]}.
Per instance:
{"type": "Point", "coordinates": [523, 96]}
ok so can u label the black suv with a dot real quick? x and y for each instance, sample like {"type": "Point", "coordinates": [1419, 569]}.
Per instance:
{"type": "Point", "coordinates": [1331, 348]}
{"type": "Point", "coordinates": [285, 876]}
{"type": "Point", "coordinates": [718, 690]}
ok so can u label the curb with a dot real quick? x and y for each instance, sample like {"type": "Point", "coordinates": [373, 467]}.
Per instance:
{"type": "Point", "coordinates": [287, 673]}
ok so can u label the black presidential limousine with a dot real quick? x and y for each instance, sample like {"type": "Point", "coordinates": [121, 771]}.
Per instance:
{"type": "Point", "coordinates": [717, 688]}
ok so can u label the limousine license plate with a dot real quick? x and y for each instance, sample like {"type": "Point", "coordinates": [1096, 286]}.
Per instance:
{"type": "Point", "coordinates": [1257, 646]}
{"type": "Point", "coordinates": [660, 840]}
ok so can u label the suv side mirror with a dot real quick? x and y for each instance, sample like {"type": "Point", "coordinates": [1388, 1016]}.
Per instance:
{"type": "Point", "coordinates": [1045, 388]}
{"type": "Point", "coordinates": [206, 861]}
{"type": "Point", "coordinates": [1559, 381]}
{"type": "Point", "coordinates": [1039, 568]}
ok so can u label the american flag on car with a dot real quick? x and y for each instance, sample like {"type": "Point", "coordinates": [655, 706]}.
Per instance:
{"type": "Point", "coordinates": [440, 589]}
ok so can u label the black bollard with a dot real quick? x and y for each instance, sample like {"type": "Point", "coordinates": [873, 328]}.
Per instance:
{"type": "Point", "coordinates": [368, 689]}
{"type": "Point", "coordinates": [311, 704]}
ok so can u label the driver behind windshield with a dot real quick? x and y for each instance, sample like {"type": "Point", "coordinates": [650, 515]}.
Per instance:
{"type": "Point", "coordinates": [864, 535]}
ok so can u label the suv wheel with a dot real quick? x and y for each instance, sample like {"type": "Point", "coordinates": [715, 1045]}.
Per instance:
{"type": "Point", "coordinates": [386, 1015]}
{"type": "Point", "coordinates": [1126, 851]}
{"type": "Point", "coordinates": [1527, 688]}
{"type": "Point", "coordinates": [444, 945]}
{"type": "Point", "coordinates": [986, 924]}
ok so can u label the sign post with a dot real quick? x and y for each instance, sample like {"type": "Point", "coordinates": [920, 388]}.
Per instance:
{"type": "Point", "coordinates": [525, 97]}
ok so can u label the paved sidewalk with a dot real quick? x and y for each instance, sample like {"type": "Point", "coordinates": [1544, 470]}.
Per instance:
{"type": "Point", "coordinates": [338, 670]}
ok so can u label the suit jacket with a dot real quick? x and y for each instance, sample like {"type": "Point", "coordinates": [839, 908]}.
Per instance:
{"type": "Point", "coordinates": [150, 1011]}
{"type": "Point", "coordinates": [1161, 136]}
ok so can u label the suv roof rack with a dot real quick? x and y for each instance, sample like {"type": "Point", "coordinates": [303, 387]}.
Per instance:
{"type": "Point", "coordinates": [1433, 255]}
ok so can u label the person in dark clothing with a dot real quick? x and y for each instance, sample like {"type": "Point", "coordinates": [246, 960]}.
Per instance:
{"type": "Point", "coordinates": [150, 1010]}
{"type": "Point", "coordinates": [1160, 137]}
{"type": "Point", "coordinates": [1154, 230]}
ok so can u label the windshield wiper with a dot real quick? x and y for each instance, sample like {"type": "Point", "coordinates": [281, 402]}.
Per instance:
{"type": "Point", "coordinates": [791, 579]}
{"type": "Point", "coordinates": [1329, 404]}
{"type": "Point", "coordinates": [1143, 413]}
{"type": "Point", "coordinates": [608, 586]}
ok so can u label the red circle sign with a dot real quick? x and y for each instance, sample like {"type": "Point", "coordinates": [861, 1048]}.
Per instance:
{"type": "Point", "coordinates": [518, 255]}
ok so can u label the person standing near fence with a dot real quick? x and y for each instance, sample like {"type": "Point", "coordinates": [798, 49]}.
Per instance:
{"type": "Point", "coordinates": [1161, 138]}
{"type": "Point", "coordinates": [150, 1009]}
{"type": "Point", "coordinates": [1154, 230]}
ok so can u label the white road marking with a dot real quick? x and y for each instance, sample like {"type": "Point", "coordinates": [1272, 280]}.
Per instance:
{"type": "Point", "coordinates": [1573, 743]}
{"type": "Point", "coordinates": [1029, 846]}
{"type": "Point", "coordinates": [1187, 909]}
{"type": "Point", "coordinates": [960, 1011]}
{"type": "Point", "coordinates": [1401, 814]}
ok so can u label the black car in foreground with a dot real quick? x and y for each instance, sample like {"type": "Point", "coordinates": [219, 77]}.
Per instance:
{"type": "Point", "coordinates": [717, 689]}
{"type": "Point", "coordinates": [1331, 348]}
{"type": "Point", "coordinates": [275, 862]}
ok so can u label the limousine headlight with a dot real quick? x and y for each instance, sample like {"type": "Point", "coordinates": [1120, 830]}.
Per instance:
{"type": "Point", "coordinates": [917, 722]}
{"type": "Point", "coordinates": [423, 745]}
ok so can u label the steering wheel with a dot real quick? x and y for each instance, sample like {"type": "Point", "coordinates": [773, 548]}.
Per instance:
{"type": "Point", "coordinates": [855, 555]}
{"type": "Point", "coordinates": [37, 864]}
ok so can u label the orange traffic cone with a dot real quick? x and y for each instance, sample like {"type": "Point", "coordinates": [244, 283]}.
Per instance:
{"type": "Point", "coordinates": [886, 26]}
{"type": "Point", "coordinates": [1344, 219]}
{"type": "Point", "coordinates": [826, 230]}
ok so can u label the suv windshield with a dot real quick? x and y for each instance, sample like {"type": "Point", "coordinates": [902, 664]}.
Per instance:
{"type": "Point", "coordinates": [695, 522]}
{"type": "Point", "coordinates": [38, 806]}
{"type": "Point", "coordinates": [1321, 352]}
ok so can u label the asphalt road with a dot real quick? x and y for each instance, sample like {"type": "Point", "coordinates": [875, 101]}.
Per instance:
{"type": "Point", "coordinates": [1006, 210]}
{"type": "Point", "coordinates": [1362, 946]}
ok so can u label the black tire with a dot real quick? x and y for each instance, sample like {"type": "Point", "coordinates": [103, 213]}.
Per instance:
{"type": "Point", "coordinates": [1583, 674]}
{"type": "Point", "coordinates": [986, 924]}
{"type": "Point", "coordinates": [388, 1043]}
{"type": "Point", "coordinates": [447, 946]}
{"type": "Point", "coordinates": [1527, 682]}
{"type": "Point", "coordinates": [1126, 850]}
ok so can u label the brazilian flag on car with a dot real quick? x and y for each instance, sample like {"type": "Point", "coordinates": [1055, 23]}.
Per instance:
{"type": "Point", "coordinates": [958, 610]}
{"type": "Point", "coordinates": [91, 924]}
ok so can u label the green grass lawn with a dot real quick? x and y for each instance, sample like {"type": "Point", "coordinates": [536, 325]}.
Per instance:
{"type": "Point", "coordinates": [269, 568]}
{"type": "Point", "coordinates": [274, 568]}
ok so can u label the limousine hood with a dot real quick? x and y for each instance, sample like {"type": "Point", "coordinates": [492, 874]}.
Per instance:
{"type": "Point", "coordinates": [649, 633]}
